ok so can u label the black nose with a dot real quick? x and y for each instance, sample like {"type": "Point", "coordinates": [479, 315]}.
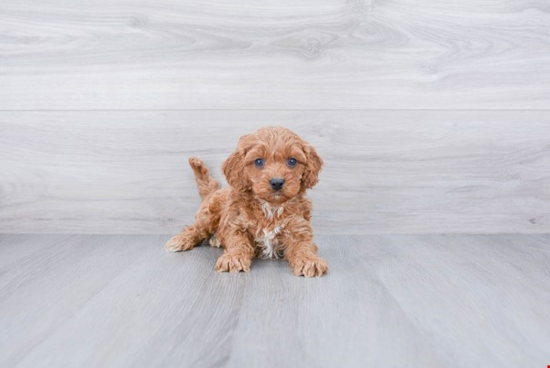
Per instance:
{"type": "Point", "coordinates": [277, 183]}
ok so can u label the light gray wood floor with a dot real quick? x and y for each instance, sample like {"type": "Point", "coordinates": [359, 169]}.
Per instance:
{"type": "Point", "coordinates": [388, 301]}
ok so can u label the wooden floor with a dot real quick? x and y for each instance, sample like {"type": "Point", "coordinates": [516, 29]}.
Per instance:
{"type": "Point", "coordinates": [388, 301]}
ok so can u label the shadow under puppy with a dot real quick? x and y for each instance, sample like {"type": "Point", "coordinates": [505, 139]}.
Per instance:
{"type": "Point", "coordinates": [263, 213]}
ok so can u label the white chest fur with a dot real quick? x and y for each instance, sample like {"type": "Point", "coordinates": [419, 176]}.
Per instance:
{"type": "Point", "coordinates": [267, 237]}
{"type": "Point", "coordinates": [270, 243]}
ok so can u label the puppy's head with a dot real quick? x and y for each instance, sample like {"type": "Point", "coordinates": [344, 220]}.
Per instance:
{"type": "Point", "coordinates": [274, 163]}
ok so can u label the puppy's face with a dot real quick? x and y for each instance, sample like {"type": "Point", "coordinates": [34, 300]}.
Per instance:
{"type": "Point", "coordinates": [274, 163]}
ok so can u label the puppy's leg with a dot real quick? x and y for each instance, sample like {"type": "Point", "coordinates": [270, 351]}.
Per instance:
{"type": "Point", "coordinates": [214, 241]}
{"type": "Point", "coordinates": [187, 239]}
{"type": "Point", "coordinates": [237, 255]}
{"type": "Point", "coordinates": [301, 251]}
{"type": "Point", "coordinates": [193, 234]}
{"type": "Point", "coordinates": [304, 260]}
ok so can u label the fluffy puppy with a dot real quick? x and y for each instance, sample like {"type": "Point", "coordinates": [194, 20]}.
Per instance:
{"type": "Point", "coordinates": [263, 213]}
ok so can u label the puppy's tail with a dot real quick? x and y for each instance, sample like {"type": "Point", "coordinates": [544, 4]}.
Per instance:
{"type": "Point", "coordinates": [205, 182]}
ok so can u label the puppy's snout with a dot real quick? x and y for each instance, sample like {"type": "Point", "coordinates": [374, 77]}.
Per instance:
{"type": "Point", "coordinates": [277, 183]}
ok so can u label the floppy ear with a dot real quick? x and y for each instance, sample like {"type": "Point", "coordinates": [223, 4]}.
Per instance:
{"type": "Point", "coordinates": [313, 167]}
{"type": "Point", "coordinates": [233, 168]}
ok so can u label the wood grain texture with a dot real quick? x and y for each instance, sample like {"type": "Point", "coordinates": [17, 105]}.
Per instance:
{"type": "Point", "coordinates": [347, 319]}
{"type": "Point", "coordinates": [152, 298]}
{"type": "Point", "coordinates": [436, 301]}
{"type": "Point", "coordinates": [41, 291]}
{"type": "Point", "coordinates": [475, 280]}
{"type": "Point", "coordinates": [361, 54]}
{"type": "Point", "coordinates": [385, 172]}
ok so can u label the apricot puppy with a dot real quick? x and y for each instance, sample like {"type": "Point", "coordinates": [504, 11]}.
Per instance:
{"type": "Point", "coordinates": [263, 212]}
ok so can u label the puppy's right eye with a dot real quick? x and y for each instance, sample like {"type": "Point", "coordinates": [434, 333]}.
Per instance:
{"type": "Point", "coordinates": [259, 162]}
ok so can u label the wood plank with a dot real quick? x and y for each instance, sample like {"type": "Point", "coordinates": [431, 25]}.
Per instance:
{"type": "Point", "coordinates": [365, 54]}
{"type": "Point", "coordinates": [17, 247]}
{"type": "Point", "coordinates": [40, 292]}
{"type": "Point", "coordinates": [385, 172]}
{"type": "Point", "coordinates": [160, 307]}
{"type": "Point", "coordinates": [485, 295]}
{"type": "Point", "coordinates": [389, 300]}
{"type": "Point", "coordinates": [347, 319]}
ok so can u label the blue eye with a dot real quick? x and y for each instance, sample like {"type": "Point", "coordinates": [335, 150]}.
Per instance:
{"type": "Point", "coordinates": [291, 162]}
{"type": "Point", "coordinates": [259, 162]}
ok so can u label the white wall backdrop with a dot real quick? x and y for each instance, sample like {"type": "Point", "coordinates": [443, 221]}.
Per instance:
{"type": "Point", "coordinates": [431, 116]}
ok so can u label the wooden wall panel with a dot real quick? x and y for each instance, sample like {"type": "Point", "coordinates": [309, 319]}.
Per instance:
{"type": "Point", "coordinates": [275, 54]}
{"type": "Point", "coordinates": [386, 171]}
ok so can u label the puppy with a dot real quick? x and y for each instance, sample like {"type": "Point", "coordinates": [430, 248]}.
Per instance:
{"type": "Point", "coordinates": [263, 213]}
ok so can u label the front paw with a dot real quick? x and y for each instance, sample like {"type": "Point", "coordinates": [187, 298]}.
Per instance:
{"type": "Point", "coordinates": [233, 263]}
{"type": "Point", "coordinates": [309, 266]}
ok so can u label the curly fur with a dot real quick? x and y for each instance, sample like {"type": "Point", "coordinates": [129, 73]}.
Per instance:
{"type": "Point", "coordinates": [248, 218]}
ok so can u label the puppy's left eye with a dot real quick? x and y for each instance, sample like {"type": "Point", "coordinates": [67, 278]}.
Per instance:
{"type": "Point", "coordinates": [291, 162]}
